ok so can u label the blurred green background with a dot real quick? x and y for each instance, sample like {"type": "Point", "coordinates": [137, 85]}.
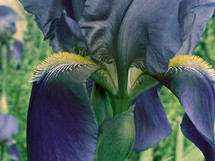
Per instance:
{"type": "Point", "coordinates": [173, 148]}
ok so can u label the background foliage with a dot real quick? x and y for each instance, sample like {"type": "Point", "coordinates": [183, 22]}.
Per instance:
{"type": "Point", "coordinates": [17, 87]}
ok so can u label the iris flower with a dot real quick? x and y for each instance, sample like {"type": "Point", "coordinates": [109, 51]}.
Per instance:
{"type": "Point", "coordinates": [8, 19]}
{"type": "Point", "coordinates": [8, 128]}
{"type": "Point", "coordinates": [97, 99]}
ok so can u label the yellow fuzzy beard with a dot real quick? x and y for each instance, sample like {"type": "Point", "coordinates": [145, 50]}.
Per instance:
{"type": "Point", "coordinates": [58, 59]}
{"type": "Point", "coordinates": [192, 61]}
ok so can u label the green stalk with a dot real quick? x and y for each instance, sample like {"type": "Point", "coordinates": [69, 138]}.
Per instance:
{"type": "Point", "coordinates": [120, 103]}
{"type": "Point", "coordinates": [179, 145]}
{"type": "Point", "coordinates": [4, 102]}
{"type": "Point", "coordinates": [146, 155]}
{"type": "Point", "coordinates": [2, 153]}
{"type": "Point", "coordinates": [4, 72]}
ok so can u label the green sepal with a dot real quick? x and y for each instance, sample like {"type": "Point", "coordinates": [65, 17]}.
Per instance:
{"type": "Point", "coordinates": [103, 78]}
{"type": "Point", "coordinates": [139, 80]}
{"type": "Point", "coordinates": [116, 137]}
{"type": "Point", "coordinates": [101, 104]}
{"type": "Point", "coordinates": [142, 84]}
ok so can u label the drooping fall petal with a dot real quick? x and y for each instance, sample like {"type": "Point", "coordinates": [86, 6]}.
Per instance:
{"type": "Point", "coordinates": [61, 121]}
{"type": "Point", "coordinates": [151, 123]}
{"type": "Point", "coordinates": [196, 94]}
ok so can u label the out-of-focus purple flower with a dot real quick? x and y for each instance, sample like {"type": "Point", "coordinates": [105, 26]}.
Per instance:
{"type": "Point", "coordinates": [8, 128]}
{"type": "Point", "coordinates": [17, 50]}
{"type": "Point", "coordinates": [8, 20]}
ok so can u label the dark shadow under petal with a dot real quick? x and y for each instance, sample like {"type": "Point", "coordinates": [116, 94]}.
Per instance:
{"type": "Point", "coordinates": [74, 8]}
{"type": "Point", "coordinates": [89, 86]}
{"type": "Point", "coordinates": [150, 120]}
{"type": "Point", "coordinates": [61, 122]}
{"type": "Point", "coordinates": [101, 104]}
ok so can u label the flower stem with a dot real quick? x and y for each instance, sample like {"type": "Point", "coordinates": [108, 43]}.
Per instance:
{"type": "Point", "coordinates": [120, 103]}
{"type": "Point", "coordinates": [2, 153]}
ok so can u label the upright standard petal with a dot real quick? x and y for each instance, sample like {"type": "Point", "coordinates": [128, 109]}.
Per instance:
{"type": "Point", "coordinates": [8, 127]}
{"type": "Point", "coordinates": [61, 121]}
{"type": "Point", "coordinates": [193, 17]}
{"type": "Point", "coordinates": [150, 31]}
{"type": "Point", "coordinates": [132, 29]}
{"type": "Point", "coordinates": [62, 30]}
{"type": "Point", "coordinates": [142, 29]}
{"type": "Point", "coordinates": [151, 123]}
{"type": "Point", "coordinates": [100, 25]}
{"type": "Point", "coordinates": [197, 96]}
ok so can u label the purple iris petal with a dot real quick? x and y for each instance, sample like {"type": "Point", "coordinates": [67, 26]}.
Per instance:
{"type": "Point", "coordinates": [8, 127]}
{"type": "Point", "coordinates": [153, 30]}
{"type": "Point", "coordinates": [8, 20]}
{"type": "Point", "coordinates": [151, 123]}
{"type": "Point", "coordinates": [5, 11]}
{"type": "Point", "coordinates": [193, 17]}
{"type": "Point", "coordinates": [61, 120]}
{"type": "Point", "coordinates": [205, 145]}
{"type": "Point", "coordinates": [154, 34]}
{"type": "Point", "coordinates": [197, 96]}
{"type": "Point", "coordinates": [14, 151]}
{"type": "Point", "coordinates": [63, 31]}
{"type": "Point", "coordinates": [18, 48]}
{"type": "Point", "coordinates": [9, 52]}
